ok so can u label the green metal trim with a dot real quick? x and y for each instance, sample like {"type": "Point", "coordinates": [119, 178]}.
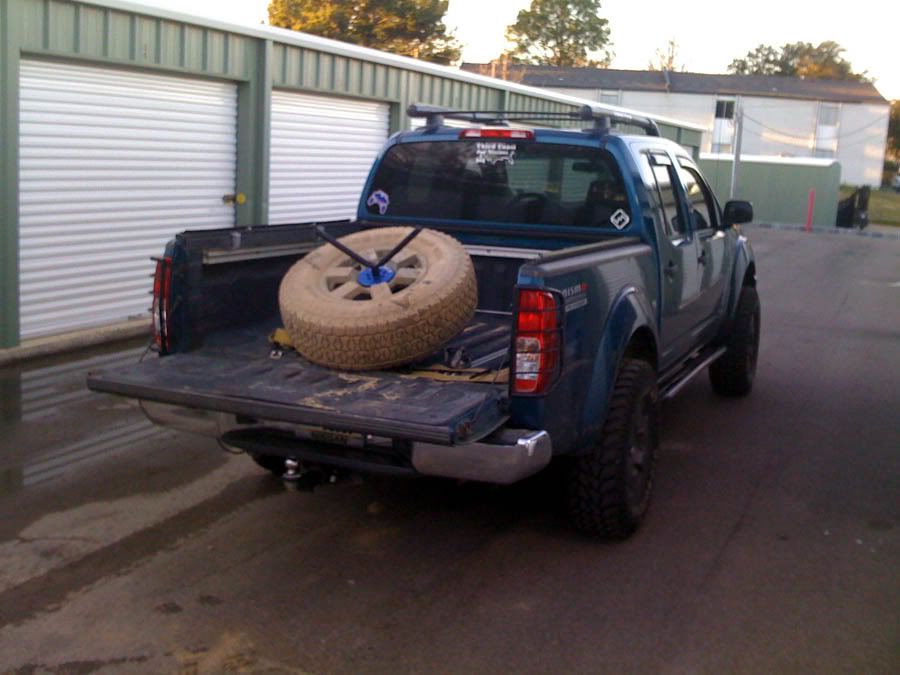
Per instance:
{"type": "Point", "coordinates": [125, 64]}
{"type": "Point", "coordinates": [336, 94]}
{"type": "Point", "coordinates": [10, 20]}
{"type": "Point", "coordinates": [253, 133]}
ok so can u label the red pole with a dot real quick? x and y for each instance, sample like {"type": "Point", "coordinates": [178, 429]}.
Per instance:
{"type": "Point", "coordinates": [809, 209]}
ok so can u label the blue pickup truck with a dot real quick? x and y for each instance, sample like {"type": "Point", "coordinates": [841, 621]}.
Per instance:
{"type": "Point", "coordinates": [607, 275]}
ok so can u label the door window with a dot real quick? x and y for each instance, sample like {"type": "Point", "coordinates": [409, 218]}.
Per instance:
{"type": "Point", "coordinates": [700, 199]}
{"type": "Point", "coordinates": [664, 195]}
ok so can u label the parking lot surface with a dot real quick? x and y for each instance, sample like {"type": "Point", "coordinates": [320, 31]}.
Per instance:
{"type": "Point", "coordinates": [772, 543]}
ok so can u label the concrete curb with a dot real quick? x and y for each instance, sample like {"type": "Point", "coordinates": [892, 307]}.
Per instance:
{"type": "Point", "coordinates": [840, 231]}
{"type": "Point", "coordinates": [80, 339]}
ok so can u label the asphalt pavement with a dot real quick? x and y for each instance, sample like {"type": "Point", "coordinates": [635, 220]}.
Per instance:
{"type": "Point", "coordinates": [772, 543]}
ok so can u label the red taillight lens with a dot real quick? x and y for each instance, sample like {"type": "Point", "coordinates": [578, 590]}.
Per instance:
{"type": "Point", "coordinates": [514, 134]}
{"type": "Point", "coordinates": [162, 298]}
{"type": "Point", "coordinates": [537, 342]}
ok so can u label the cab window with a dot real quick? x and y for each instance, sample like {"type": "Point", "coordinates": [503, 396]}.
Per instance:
{"type": "Point", "coordinates": [500, 181]}
{"type": "Point", "coordinates": [663, 194]}
{"type": "Point", "coordinates": [700, 199]}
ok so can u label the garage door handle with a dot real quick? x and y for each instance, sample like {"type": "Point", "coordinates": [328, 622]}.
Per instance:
{"type": "Point", "coordinates": [238, 198]}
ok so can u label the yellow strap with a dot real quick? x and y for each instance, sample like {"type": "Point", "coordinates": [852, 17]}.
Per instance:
{"type": "Point", "coordinates": [280, 338]}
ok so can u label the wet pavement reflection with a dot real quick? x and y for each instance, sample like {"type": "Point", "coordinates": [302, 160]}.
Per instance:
{"type": "Point", "coordinates": [52, 426]}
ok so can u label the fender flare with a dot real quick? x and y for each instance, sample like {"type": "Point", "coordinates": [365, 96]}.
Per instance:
{"type": "Point", "coordinates": [630, 312]}
{"type": "Point", "coordinates": [744, 261]}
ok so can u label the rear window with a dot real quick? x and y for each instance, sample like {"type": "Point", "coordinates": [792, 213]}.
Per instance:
{"type": "Point", "coordinates": [501, 181]}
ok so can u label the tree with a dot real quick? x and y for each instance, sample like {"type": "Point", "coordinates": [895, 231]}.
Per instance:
{"type": "Point", "coordinates": [798, 59]}
{"type": "Point", "coordinates": [893, 139]}
{"type": "Point", "coordinates": [666, 59]}
{"type": "Point", "coordinates": [407, 27]}
{"type": "Point", "coordinates": [560, 33]}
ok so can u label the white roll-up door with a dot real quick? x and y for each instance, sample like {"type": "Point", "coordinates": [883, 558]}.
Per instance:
{"type": "Point", "coordinates": [321, 153]}
{"type": "Point", "coordinates": [112, 164]}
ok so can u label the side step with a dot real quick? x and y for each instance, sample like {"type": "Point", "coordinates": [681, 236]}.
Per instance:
{"type": "Point", "coordinates": [671, 385]}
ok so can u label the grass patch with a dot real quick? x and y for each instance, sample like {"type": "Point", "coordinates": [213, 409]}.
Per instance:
{"type": "Point", "coordinates": [884, 205]}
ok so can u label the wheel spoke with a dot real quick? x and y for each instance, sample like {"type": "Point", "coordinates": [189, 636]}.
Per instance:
{"type": "Point", "coordinates": [406, 259]}
{"type": "Point", "coordinates": [406, 276]}
{"type": "Point", "coordinates": [339, 275]}
{"type": "Point", "coordinates": [380, 291]}
{"type": "Point", "coordinates": [347, 290]}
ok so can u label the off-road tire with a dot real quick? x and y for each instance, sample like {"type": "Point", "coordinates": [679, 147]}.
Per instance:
{"type": "Point", "coordinates": [431, 298]}
{"type": "Point", "coordinates": [608, 489]}
{"type": "Point", "coordinates": [732, 373]}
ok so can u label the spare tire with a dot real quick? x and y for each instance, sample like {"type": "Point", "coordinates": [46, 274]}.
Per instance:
{"type": "Point", "coordinates": [339, 316]}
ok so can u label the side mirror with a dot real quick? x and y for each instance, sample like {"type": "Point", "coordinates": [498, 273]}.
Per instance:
{"type": "Point", "coordinates": [738, 211]}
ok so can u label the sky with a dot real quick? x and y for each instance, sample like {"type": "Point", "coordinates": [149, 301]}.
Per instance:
{"type": "Point", "coordinates": [708, 34]}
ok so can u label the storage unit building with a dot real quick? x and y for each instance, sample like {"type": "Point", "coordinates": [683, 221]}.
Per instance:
{"type": "Point", "coordinates": [123, 125]}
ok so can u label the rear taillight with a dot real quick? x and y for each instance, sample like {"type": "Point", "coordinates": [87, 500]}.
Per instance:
{"type": "Point", "coordinates": [162, 301]}
{"type": "Point", "coordinates": [514, 134]}
{"type": "Point", "coordinates": [537, 343]}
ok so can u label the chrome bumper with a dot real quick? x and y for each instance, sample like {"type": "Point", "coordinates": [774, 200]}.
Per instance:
{"type": "Point", "coordinates": [504, 463]}
{"type": "Point", "coordinates": [507, 456]}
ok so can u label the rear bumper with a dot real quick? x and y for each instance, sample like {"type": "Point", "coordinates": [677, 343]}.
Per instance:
{"type": "Point", "coordinates": [504, 457]}
{"type": "Point", "coordinates": [517, 454]}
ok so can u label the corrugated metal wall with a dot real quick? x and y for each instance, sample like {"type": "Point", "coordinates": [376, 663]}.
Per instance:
{"type": "Point", "coordinates": [112, 33]}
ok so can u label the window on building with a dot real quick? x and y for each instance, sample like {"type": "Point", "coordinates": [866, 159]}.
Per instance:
{"type": "Point", "coordinates": [610, 97]}
{"type": "Point", "coordinates": [827, 124]}
{"type": "Point", "coordinates": [828, 114]}
{"type": "Point", "coordinates": [723, 127]}
{"type": "Point", "coordinates": [724, 110]}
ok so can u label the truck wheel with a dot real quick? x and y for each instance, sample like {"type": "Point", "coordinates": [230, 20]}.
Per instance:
{"type": "Point", "coordinates": [340, 315]}
{"type": "Point", "coordinates": [609, 487]}
{"type": "Point", "coordinates": [732, 373]}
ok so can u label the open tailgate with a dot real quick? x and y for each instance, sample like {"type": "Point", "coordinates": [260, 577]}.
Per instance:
{"type": "Point", "coordinates": [290, 389]}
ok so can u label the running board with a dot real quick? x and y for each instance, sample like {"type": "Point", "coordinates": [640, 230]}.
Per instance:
{"type": "Point", "coordinates": [688, 371]}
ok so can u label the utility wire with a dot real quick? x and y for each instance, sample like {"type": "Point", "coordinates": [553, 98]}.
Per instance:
{"type": "Point", "coordinates": [841, 135]}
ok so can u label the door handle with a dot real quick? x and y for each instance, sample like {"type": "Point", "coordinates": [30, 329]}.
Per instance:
{"type": "Point", "coordinates": [669, 271]}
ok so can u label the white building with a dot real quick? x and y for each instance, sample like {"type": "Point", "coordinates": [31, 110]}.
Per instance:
{"type": "Point", "coordinates": [783, 116]}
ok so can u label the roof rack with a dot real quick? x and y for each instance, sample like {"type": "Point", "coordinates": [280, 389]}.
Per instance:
{"type": "Point", "coordinates": [602, 118]}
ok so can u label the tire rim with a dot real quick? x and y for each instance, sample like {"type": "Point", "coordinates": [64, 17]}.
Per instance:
{"type": "Point", "coordinates": [348, 280]}
{"type": "Point", "coordinates": [639, 457]}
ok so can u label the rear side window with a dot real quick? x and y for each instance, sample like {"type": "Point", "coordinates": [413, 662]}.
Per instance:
{"type": "Point", "coordinates": [507, 181]}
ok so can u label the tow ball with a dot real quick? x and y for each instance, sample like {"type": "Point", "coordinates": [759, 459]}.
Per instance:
{"type": "Point", "coordinates": [302, 479]}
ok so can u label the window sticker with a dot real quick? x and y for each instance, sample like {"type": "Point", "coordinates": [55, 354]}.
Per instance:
{"type": "Point", "coordinates": [619, 219]}
{"type": "Point", "coordinates": [493, 152]}
{"type": "Point", "coordinates": [380, 199]}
